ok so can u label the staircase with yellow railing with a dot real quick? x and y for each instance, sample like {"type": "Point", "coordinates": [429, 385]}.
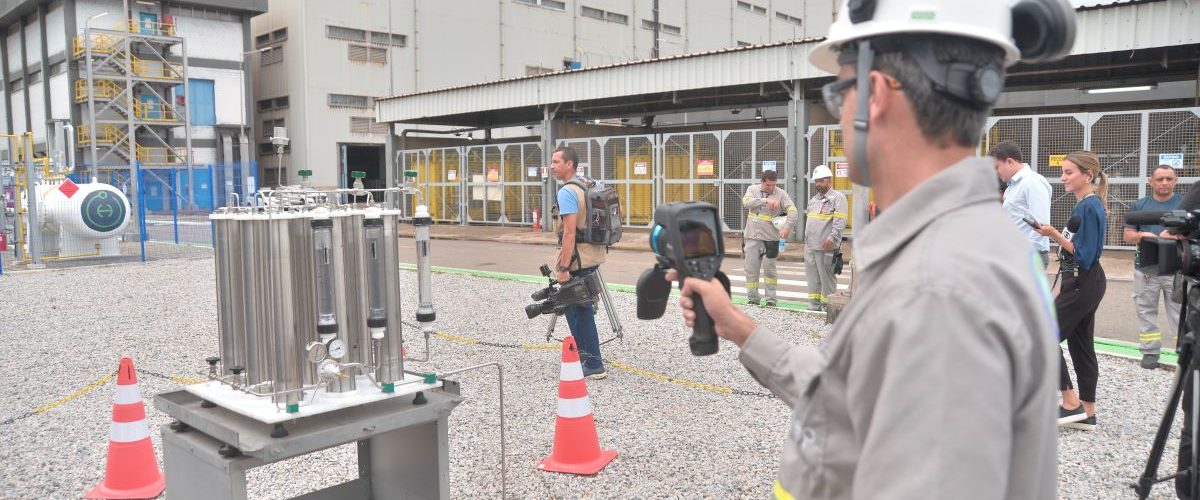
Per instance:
{"type": "Point", "coordinates": [158, 112]}
{"type": "Point", "coordinates": [159, 156]}
{"type": "Point", "coordinates": [152, 28]}
{"type": "Point", "coordinates": [107, 134]}
{"type": "Point", "coordinates": [101, 89]}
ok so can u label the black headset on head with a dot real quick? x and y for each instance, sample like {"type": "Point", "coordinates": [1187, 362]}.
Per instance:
{"type": "Point", "coordinates": [1043, 30]}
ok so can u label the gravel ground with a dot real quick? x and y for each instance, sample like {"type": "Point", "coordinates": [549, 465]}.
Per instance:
{"type": "Point", "coordinates": [65, 329]}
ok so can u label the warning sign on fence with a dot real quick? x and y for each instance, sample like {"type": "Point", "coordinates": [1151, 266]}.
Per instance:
{"type": "Point", "coordinates": [1056, 160]}
{"type": "Point", "coordinates": [704, 168]}
{"type": "Point", "coordinates": [493, 175]}
{"type": "Point", "coordinates": [639, 168]}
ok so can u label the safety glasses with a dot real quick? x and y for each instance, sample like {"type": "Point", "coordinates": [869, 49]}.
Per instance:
{"type": "Point", "coordinates": [834, 93]}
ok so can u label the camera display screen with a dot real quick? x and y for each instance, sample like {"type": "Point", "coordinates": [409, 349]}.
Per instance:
{"type": "Point", "coordinates": [698, 240]}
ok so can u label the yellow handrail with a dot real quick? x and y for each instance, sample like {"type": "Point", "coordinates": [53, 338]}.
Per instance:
{"type": "Point", "coordinates": [101, 89]}
{"type": "Point", "coordinates": [152, 27]}
{"type": "Point", "coordinates": [154, 111]}
{"type": "Point", "coordinates": [101, 44]}
{"type": "Point", "coordinates": [108, 134]}
{"type": "Point", "coordinates": [158, 156]}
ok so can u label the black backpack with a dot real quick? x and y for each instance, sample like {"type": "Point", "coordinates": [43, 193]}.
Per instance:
{"type": "Point", "coordinates": [602, 208]}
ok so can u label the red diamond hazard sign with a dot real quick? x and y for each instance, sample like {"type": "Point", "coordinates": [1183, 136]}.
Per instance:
{"type": "Point", "coordinates": [68, 188]}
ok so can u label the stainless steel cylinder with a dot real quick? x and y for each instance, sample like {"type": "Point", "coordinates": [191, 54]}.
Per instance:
{"type": "Point", "coordinates": [230, 307]}
{"type": "Point", "coordinates": [282, 317]}
{"type": "Point", "coordinates": [303, 297]}
{"type": "Point", "coordinates": [351, 292]}
{"type": "Point", "coordinates": [391, 360]}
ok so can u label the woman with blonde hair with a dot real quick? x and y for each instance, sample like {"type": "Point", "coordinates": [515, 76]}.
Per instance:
{"type": "Point", "coordinates": [1083, 284]}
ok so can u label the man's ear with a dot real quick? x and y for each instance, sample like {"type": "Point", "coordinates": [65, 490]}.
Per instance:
{"type": "Point", "coordinates": [882, 96]}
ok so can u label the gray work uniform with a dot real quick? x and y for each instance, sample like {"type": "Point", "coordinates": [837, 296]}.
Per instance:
{"type": "Point", "coordinates": [759, 233]}
{"type": "Point", "coordinates": [825, 219]}
{"type": "Point", "coordinates": [1147, 289]}
{"type": "Point", "coordinates": [939, 378]}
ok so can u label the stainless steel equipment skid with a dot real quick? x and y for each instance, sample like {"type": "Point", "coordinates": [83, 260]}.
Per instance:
{"type": "Point", "coordinates": [402, 446]}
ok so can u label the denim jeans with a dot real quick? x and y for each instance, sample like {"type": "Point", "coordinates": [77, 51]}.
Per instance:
{"type": "Point", "coordinates": [582, 322]}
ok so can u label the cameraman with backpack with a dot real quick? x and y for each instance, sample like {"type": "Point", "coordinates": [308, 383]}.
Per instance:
{"type": "Point", "coordinates": [576, 258]}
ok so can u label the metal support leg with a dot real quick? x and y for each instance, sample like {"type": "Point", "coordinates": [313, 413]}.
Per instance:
{"type": "Point", "coordinates": [194, 470]}
{"type": "Point", "coordinates": [613, 320]}
{"type": "Point", "coordinates": [413, 462]}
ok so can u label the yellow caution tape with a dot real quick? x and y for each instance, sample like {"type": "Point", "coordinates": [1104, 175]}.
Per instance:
{"type": "Point", "coordinates": [74, 395]}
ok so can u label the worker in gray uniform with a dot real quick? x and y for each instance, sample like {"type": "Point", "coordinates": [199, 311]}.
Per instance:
{"type": "Point", "coordinates": [1148, 289]}
{"type": "Point", "coordinates": [937, 380]}
{"type": "Point", "coordinates": [764, 203]}
{"type": "Point", "coordinates": [825, 219]}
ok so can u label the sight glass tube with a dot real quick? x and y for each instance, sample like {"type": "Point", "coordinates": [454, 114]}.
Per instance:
{"type": "Point", "coordinates": [323, 261]}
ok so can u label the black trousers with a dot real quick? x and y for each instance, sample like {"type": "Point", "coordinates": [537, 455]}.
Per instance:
{"type": "Point", "coordinates": [1076, 305]}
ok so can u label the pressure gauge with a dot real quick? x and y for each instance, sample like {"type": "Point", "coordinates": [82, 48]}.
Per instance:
{"type": "Point", "coordinates": [316, 352]}
{"type": "Point", "coordinates": [336, 348]}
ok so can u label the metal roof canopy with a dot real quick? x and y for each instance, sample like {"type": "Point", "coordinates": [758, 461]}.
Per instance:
{"type": "Point", "coordinates": [758, 75]}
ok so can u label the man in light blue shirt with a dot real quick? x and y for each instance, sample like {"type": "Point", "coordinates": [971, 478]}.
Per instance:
{"type": "Point", "coordinates": [1027, 195]}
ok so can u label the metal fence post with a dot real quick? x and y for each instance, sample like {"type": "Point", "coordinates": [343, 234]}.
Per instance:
{"type": "Point", "coordinates": [175, 202]}
{"type": "Point", "coordinates": [212, 184]}
{"type": "Point", "coordinates": [141, 197]}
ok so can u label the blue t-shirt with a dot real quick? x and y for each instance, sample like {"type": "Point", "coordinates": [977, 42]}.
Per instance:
{"type": "Point", "coordinates": [568, 202]}
{"type": "Point", "coordinates": [1089, 239]}
{"type": "Point", "coordinates": [1150, 204]}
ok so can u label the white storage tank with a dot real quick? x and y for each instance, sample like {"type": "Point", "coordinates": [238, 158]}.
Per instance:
{"type": "Point", "coordinates": [84, 219]}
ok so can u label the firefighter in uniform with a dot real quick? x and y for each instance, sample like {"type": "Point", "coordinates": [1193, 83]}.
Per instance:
{"type": "Point", "coordinates": [825, 219]}
{"type": "Point", "coordinates": [937, 379]}
{"type": "Point", "coordinates": [764, 203]}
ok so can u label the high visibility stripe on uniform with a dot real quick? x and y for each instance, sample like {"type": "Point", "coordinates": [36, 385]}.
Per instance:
{"type": "Point", "coordinates": [128, 394]}
{"type": "Point", "coordinates": [128, 432]}
{"type": "Point", "coordinates": [1151, 336]}
{"type": "Point", "coordinates": [751, 284]}
{"type": "Point", "coordinates": [841, 215]}
{"type": "Point", "coordinates": [765, 218]}
{"type": "Point", "coordinates": [816, 297]}
{"type": "Point", "coordinates": [780, 493]}
{"type": "Point", "coordinates": [574, 408]}
{"type": "Point", "coordinates": [746, 198]}
{"type": "Point", "coordinates": [819, 216]}
{"type": "Point", "coordinates": [791, 209]}
{"type": "Point", "coordinates": [771, 281]}
{"type": "Point", "coordinates": [570, 372]}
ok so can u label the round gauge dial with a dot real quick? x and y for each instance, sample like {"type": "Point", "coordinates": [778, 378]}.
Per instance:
{"type": "Point", "coordinates": [316, 352]}
{"type": "Point", "coordinates": [337, 348]}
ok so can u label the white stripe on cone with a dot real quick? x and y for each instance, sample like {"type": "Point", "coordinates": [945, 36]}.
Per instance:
{"type": "Point", "coordinates": [128, 394]}
{"type": "Point", "coordinates": [570, 372]}
{"type": "Point", "coordinates": [128, 432]}
{"type": "Point", "coordinates": [574, 408]}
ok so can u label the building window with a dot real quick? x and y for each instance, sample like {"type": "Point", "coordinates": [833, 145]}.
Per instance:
{"type": "Point", "coordinates": [343, 33]}
{"type": "Point", "coordinates": [350, 101]}
{"type": "Point", "coordinates": [784, 17]}
{"type": "Point", "coordinates": [57, 68]}
{"type": "Point", "coordinates": [744, 44]}
{"type": "Point", "coordinates": [603, 15]}
{"type": "Point", "coordinates": [279, 35]}
{"type": "Point", "coordinates": [271, 56]}
{"type": "Point", "coordinates": [749, 7]}
{"type": "Point", "coordinates": [265, 104]}
{"type": "Point", "coordinates": [35, 77]}
{"type": "Point", "coordinates": [267, 149]}
{"type": "Point", "coordinates": [268, 128]}
{"type": "Point", "coordinates": [549, 4]}
{"type": "Point", "coordinates": [613, 17]}
{"type": "Point", "coordinates": [262, 40]}
{"type": "Point", "coordinates": [16, 85]}
{"type": "Point", "coordinates": [399, 40]}
{"type": "Point", "coordinates": [367, 125]}
{"type": "Point", "coordinates": [367, 53]}
{"type": "Point", "coordinates": [665, 28]}
{"type": "Point", "coordinates": [281, 102]}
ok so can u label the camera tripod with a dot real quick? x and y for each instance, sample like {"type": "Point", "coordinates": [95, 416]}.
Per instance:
{"type": "Point", "coordinates": [1185, 388]}
{"type": "Point", "coordinates": [613, 320]}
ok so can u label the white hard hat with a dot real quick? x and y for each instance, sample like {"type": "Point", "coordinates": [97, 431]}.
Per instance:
{"type": "Point", "coordinates": [821, 172]}
{"type": "Point", "coordinates": [988, 21]}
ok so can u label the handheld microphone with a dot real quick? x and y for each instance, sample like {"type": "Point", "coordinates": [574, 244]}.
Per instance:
{"type": "Point", "coordinates": [1073, 223]}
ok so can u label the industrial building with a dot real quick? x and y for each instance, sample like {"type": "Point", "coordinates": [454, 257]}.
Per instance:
{"type": "Point", "coordinates": [137, 81]}
{"type": "Point", "coordinates": [325, 62]}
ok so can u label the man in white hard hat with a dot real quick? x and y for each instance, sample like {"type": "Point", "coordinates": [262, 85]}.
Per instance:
{"type": "Point", "coordinates": [824, 222]}
{"type": "Point", "coordinates": [939, 378]}
{"type": "Point", "coordinates": [765, 202]}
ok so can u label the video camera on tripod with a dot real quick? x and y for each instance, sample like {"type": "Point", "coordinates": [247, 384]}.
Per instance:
{"type": "Point", "coordinates": [686, 237]}
{"type": "Point", "coordinates": [556, 298]}
{"type": "Point", "coordinates": [1164, 257]}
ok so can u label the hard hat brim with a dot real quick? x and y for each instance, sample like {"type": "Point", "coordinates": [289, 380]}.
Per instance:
{"type": "Point", "coordinates": [825, 55]}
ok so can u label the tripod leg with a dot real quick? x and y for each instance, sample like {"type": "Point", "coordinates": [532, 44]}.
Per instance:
{"type": "Point", "coordinates": [550, 328]}
{"type": "Point", "coordinates": [613, 320]}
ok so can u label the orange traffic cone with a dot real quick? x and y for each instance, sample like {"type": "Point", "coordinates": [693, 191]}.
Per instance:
{"type": "Point", "coordinates": [576, 447]}
{"type": "Point", "coordinates": [132, 466]}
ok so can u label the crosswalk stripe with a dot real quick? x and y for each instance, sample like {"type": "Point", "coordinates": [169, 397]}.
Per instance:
{"type": "Point", "coordinates": [781, 293]}
{"type": "Point", "coordinates": [734, 277]}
